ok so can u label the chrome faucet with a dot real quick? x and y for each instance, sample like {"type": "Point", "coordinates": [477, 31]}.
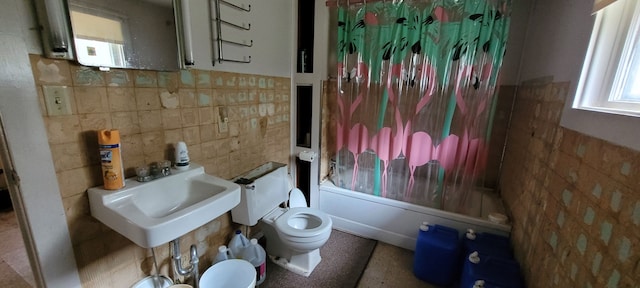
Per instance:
{"type": "Point", "coordinates": [155, 170]}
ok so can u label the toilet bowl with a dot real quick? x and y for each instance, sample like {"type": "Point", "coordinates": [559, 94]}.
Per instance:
{"type": "Point", "coordinates": [293, 235]}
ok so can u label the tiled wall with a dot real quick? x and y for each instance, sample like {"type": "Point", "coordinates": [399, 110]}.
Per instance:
{"type": "Point", "coordinates": [575, 199]}
{"type": "Point", "coordinates": [153, 110]}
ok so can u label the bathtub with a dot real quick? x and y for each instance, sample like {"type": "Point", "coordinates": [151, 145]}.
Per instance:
{"type": "Point", "coordinates": [397, 222]}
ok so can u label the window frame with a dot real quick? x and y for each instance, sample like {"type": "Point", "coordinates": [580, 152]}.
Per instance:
{"type": "Point", "coordinates": [613, 40]}
{"type": "Point", "coordinates": [617, 128]}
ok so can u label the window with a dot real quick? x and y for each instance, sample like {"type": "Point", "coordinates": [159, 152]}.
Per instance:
{"type": "Point", "coordinates": [610, 78]}
{"type": "Point", "coordinates": [608, 39]}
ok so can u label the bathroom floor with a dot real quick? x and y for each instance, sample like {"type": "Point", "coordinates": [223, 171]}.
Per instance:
{"type": "Point", "coordinates": [14, 263]}
{"type": "Point", "coordinates": [389, 266]}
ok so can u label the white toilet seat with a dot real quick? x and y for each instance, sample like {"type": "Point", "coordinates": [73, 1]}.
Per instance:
{"type": "Point", "coordinates": [303, 224]}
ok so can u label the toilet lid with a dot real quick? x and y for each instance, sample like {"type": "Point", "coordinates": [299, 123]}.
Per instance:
{"type": "Point", "coordinates": [284, 223]}
{"type": "Point", "coordinates": [297, 199]}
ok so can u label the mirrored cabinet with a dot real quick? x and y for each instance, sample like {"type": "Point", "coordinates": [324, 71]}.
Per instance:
{"type": "Point", "coordinates": [135, 34]}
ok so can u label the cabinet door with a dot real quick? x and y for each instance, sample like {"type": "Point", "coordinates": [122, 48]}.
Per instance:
{"type": "Point", "coordinates": [312, 45]}
{"type": "Point", "coordinates": [272, 34]}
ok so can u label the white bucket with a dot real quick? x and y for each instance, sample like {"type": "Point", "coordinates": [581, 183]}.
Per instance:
{"type": "Point", "coordinates": [233, 273]}
{"type": "Point", "coordinates": [149, 282]}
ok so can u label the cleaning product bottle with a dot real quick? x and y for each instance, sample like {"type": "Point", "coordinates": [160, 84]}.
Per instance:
{"type": "Point", "coordinates": [182, 156]}
{"type": "Point", "coordinates": [237, 244]}
{"type": "Point", "coordinates": [256, 255]}
{"type": "Point", "coordinates": [111, 159]}
{"type": "Point", "coordinates": [222, 254]}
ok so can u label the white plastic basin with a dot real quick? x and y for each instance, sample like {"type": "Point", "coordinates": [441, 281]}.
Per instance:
{"type": "Point", "coordinates": [233, 273]}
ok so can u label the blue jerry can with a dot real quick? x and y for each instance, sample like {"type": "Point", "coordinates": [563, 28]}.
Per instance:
{"type": "Point", "coordinates": [436, 255]}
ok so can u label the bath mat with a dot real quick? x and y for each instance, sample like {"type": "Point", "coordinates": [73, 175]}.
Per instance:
{"type": "Point", "coordinates": [344, 258]}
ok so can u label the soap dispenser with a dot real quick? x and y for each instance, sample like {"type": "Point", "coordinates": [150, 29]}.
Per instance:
{"type": "Point", "coordinates": [182, 156]}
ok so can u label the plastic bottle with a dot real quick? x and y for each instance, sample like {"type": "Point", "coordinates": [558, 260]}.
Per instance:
{"type": "Point", "coordinates": [111, 159]}
{"type": "Point", "coordinates": [237, 244]}
{"type": "Point", "coordinates": [256, 255]}
{"type": "Point", "coordinates": [182, 156]}
{"type": "Point", "coordinates": [222, 254]}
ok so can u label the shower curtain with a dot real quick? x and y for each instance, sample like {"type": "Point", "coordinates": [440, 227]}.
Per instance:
{"type": "Point", "coordinates": [416, 95]}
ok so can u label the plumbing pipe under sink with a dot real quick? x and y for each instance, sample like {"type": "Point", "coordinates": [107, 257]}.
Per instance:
{"type": "Point", "coordinates": [193, 260]}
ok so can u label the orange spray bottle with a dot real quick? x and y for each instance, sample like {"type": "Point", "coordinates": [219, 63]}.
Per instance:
{"type": "Point", "coordinates": [111, 159]}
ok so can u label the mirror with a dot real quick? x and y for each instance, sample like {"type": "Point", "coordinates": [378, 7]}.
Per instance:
{"type": "Point", "coordinates": [135, 34]}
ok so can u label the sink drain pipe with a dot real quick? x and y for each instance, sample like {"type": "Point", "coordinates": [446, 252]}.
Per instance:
{"type": "Point", "coordinates": [193, 260]}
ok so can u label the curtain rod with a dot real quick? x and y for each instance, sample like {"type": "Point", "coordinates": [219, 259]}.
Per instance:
{"type": "Point", "coordinates": [334, 3]}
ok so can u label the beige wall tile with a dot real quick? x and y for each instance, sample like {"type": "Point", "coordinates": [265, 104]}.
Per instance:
{"type": "Point", "coordinates": [191, 135]}
{"type": "Point", "coordinates": [50, 71]}
{"type": "Point", "coordinates": [173, 136]}
{"type": "Point", "coordinates": [208, 150]}
{"type": "Point", "coordinates": [168, 80]}
{"type": "Point", "coordinates": [195, 152]}
{"type": "Point", "coordinates": [231, 96]}
{"type": "Point", "coordinates": [86, 76]}
{"type": "Point", "coordinates": [188, 98]}
{"type": "Point", "coordinates": [126, 122]}
{"type": "Point", "coordinates": [63, 129]}
{"type": "Point", "coordinates": [68, 156]}
{"type": "Point", "coordinates": [204, 97]}
{"type": "Point", "coordinates": [150, 120]}
{"type": "Point", "coordinates": [171, 119]}
{"type": "Point", "coordinates": [76, 206]}
{"type": "Point", "coordinates": [190, 117]}
{"type": "Point", "coordinates": [95, 121]}
{"type": "Point", "coordinates": [207, 132]}
{"type": "Point", "coordinates": [234, 128]}
{"type": "Point", "coordinates": [128, 274]}
{"type": "Point", "coordinates": [187, 79]}
{"type": "Point", "coordinates": [121, 99]}
{"type": "Point", "coordinates": [145, 78]}
{"type": "Point", "coordinates": [219, 98]}
{"type": "Point", "coordinates": [243, 81]}
{"type": "Point", "coordinates": [153, 142]}
{"type": "Point", "coordinates": [91, 99]}
{"type": "Point", "coordinates": [132, 147]}
{"type": "Point", "coordinates": [147, 98]}
{"type": "Point", "coordinates": [230, 80]}
{"type": "Point", "coordinates": [217, 80]}
{"type": "Point", "coordinates": [86, 255]}
{"type": "Point", "coordinates": [222, 146]}
{"type": "Point", "coordinates": [203, 79]}
{"type": "Point", "coordinates": [123, 250]}
{"type": "Point", "coordinates": [119, 78]}
{"type": "Point", "coordinates": [205, 115]}
{"type": "Point", "coordinates": [73, 182]}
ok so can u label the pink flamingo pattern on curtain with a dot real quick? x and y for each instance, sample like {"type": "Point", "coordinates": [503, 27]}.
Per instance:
{"type": "Point", "coordinates": [415, 97]}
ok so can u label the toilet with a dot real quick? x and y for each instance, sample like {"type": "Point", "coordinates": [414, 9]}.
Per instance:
{"type": "Point", "coordinates": [294, 234]}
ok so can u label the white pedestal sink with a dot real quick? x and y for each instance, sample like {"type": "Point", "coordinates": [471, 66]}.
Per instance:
{"type": "Point", "coordinates": [161, 210]}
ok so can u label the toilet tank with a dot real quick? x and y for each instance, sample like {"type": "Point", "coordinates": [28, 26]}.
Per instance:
{"type": "Point", "coordinates": [262, 190]}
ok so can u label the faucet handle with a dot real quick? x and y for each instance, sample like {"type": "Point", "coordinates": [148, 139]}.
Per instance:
{"type": "Point", "coordinates": [165, 167]}
{"type": "Point", "coordinates": [142, 173]}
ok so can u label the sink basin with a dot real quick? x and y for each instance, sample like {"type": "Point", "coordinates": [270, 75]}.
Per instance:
{"type": "Point", "coordinates": [161, 210]}
{"type": "Point", "coordinates": [233, 273]}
